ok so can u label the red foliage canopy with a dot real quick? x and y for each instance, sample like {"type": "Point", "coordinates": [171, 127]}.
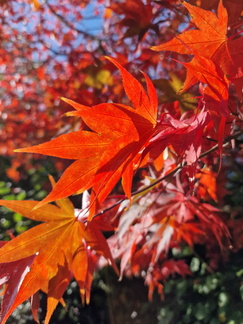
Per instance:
{"type": "Point", "coordinates": [165, 144]}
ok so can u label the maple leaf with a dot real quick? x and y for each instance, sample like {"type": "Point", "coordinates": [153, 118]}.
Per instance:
{"type": "Point", "coordinates": [12, 274]}
{"type": "Point", "coordinates": [207, 186]}
{"type": "Point", "coordinates": [216, 61]}
{"type": "Point", "coordinates": [209, 45]}
{"type": "Point", "coordinates": [160, 222]}
{"type": "Point", "coordinates": [216, 93]}
{"type": "Point", "coordinates": [207, 40]}
{"type": "Point", "coordinates": [113, 147]}
{"type": "Point", "coordinates": [137, 16]}
{"type": "Point", "coordinates": [185, 135]}
{"type": "Point", "coordinates": [61, 247]}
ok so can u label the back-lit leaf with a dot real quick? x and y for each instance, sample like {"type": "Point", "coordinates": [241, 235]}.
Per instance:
{"type": "Point", "coordinates": [59, 247]}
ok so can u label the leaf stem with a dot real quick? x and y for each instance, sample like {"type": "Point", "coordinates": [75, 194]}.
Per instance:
{"type": "Point", "coordinates": [170, 174]}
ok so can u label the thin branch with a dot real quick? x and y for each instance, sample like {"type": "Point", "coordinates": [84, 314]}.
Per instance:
{"type": "Point", "coordinates": [67, 23]}
{"type": "Point", "coordinates": [170, 174]}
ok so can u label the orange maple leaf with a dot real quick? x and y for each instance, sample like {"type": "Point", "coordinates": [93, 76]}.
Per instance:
{"type": "Point", "coordinates": [207, 40]}
{"type": "Point", "coordinates": [211, 42]}
{"type": "Point", "coordinates": [215, 62]}
{"type": "Point", "coordinates": [111, 150]}
{"type": "Point", "coordinates": [207, 185]}
{"type": "Point", "coordinates": [62, 247]}
{"type": "Point", "coordinates": [209, 45]}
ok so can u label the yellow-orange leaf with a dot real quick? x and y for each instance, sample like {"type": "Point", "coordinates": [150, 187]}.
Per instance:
{"type": "Point", "coordinates": [209, 37]}
{"type": "Point", "coordinates": [61, 245]}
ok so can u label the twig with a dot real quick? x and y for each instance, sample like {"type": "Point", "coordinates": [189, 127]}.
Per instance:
{"type": "Point", "coordinates": [170, 174]}
{"type": "Point", "coordinates": [67, 23]}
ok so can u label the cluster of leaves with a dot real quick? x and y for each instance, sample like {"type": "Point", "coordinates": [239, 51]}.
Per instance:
{"type": "Point", "coordinates": [150, 167]}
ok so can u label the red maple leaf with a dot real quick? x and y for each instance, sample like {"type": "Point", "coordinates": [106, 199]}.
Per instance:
{"type": "Point", "coordinates": [113, 147]}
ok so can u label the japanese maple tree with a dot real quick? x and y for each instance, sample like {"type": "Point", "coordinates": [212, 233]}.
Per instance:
{"type": "Point", "coordinates": [146, 148]}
